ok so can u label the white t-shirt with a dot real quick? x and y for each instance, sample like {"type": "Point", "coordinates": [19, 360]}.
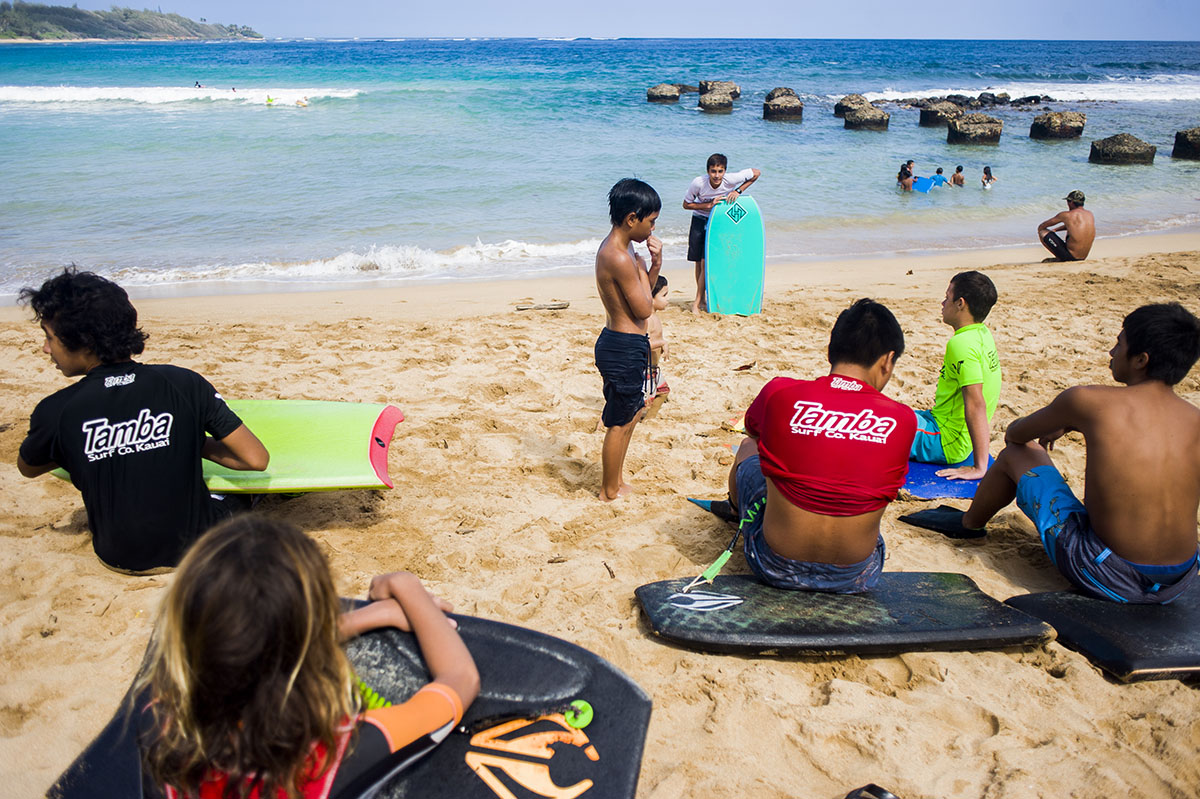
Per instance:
{"type": "Point", "coordinates": [701, 190]}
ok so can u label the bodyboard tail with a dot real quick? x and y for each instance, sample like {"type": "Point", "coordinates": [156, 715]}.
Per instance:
{"type": "Point", "coordinates": [314, 445]}
{"type": "Point", "coordinates": [922, 481]}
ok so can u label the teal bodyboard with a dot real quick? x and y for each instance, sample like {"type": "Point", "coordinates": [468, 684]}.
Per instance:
{"type": "Point", "coordinates": [923, 185]}
{"type": "Point", "coordinates": [314, 446]}
{"type": "Point", "coordinates": [734, 258]}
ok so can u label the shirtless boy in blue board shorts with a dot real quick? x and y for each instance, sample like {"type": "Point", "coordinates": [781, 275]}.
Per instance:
{"type": "Point", "coordinates": [1133, 538]}
{"type": "Point", "coordinates": [623, 348]}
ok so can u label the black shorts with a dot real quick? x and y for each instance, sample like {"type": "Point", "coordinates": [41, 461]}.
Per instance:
{"type": "Point", "coordinates": [622, 359]}
{"type": "Point", "coordinates": [1057, 246]}
{"type": "Point", "coordinates": [696, 238]}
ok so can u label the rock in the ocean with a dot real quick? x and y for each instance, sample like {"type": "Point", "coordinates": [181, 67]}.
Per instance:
{"type": "Point", "coordinates": [1187, 144]}
{"type": "Point", "coordinates": [663, 93]}
{"type": "Point", "coordinates": [1058, 125]}
{"type": "Point", "coordinates": [937, 114]}
{"type": "Point", "coordinates": [1122, 149]}
{"type": "Point", "coordinates": [846, 103]}
{"type": "Point", "coordinates": [783, 106]}
{"type": "Point", "coordinates": [974, 129]}
{"type": "Point", "coordinates": [721, 87]}
{"type": "Point", "coordinates": [866, 117]}
{"type": "Point", "coordinates": [781, 91]}
{"type": "Point", "coordinates": [716, 102]}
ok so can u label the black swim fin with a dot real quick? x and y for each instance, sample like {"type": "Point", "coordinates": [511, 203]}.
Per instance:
{"type": "Point", "coordinates": [871, 791]}
{"type": "Point", "coordinates": [719, 508]}
{"type": "Point", "coordinates": [943, 519]}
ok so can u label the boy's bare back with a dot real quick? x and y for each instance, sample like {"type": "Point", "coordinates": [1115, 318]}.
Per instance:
{"type": "Point", "coordinates": [1143, 469]}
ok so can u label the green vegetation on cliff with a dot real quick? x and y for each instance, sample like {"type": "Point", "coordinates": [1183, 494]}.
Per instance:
{"type": "Point", "coordinates": [34, 21]}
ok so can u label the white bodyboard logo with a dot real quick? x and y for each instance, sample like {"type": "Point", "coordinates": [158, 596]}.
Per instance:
{"type": "Point", "coordinates": [704, 601]}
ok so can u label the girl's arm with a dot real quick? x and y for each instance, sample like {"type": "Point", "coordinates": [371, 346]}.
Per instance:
{"type": "Point", "coordinates": [401, 601]}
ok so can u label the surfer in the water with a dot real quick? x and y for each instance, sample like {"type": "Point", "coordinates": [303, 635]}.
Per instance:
{"type": "Point", "coordinates": [623, 348]}
{"type": "Point", "coordinates": [131, 435]}
{"type": "Point", "coordinates": [1133, 538]}
{"type": "Point", "coordinates": [1080, 227]}
{"type": "Point", "coordinates": [823, 459]}
{"type": "Point", "coordinates": [246, 690]}
{"type": "Point", "coordinates": [704, 193]}
{"type": "Point", "coordinates": [958, 179]}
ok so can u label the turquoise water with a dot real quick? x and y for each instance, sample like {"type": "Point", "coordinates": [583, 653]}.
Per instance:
{"type": "Point", "coordinates": [457, 159]}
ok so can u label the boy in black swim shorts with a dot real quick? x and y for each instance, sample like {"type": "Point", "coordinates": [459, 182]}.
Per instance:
{"type": "Point", "coordinates": [623, 348]}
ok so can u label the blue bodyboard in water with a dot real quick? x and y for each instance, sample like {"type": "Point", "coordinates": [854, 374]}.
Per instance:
{"type": "Point", "coordinates": [923, 483]}
{"type": "Point", "coordinates": [734, 258]}
{"type": "Point", "coordinates": [923, 185]}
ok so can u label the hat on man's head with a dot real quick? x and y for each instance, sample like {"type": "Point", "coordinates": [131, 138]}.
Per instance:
{"type": "Point", "coordinates": [1075, 197]}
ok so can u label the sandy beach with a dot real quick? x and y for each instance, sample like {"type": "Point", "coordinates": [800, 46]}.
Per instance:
{"type": "Point", "coordinates": [496, 470]}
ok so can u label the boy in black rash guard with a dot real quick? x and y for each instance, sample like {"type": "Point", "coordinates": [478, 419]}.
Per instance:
{"type": "Point", "coordinates": [131, 435]}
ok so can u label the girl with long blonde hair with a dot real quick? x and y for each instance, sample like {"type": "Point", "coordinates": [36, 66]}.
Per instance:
{"type": "Point", "coordinates": [248, 692]}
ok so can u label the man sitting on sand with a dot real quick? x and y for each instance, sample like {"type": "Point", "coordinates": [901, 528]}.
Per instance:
{"type": "Point", "coordinates": [968, 386]}
{"type": "Point", "coordinates": [1080, 226]}
{"type": "Point", "coordinates": [835, 451]}
{"type": "Point", "coordinates": [623, 348]}
{"type": "Point", "coordinates": [131, 435]}
{"type": "Point", "coordinates": [1133, 539]}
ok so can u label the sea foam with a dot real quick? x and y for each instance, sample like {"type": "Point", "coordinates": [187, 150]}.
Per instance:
{"type": "Point", "coordinates": [159, 95]}
{"type": "Point", "coordinates": [1156, 88]}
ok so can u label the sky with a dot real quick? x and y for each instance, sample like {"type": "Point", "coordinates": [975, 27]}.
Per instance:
{"type": "Point", "coordinates": [787, 19]}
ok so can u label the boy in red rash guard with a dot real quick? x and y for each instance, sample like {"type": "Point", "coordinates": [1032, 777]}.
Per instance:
{"type": "Point", "coordinates": [836, 452]}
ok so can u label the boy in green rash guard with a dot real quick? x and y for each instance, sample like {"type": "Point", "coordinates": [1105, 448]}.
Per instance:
{"type": "Point", "coordinates": [968, 386]}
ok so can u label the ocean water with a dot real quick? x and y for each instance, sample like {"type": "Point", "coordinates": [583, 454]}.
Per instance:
{"type": "Point", "coordinates": [467, 159]}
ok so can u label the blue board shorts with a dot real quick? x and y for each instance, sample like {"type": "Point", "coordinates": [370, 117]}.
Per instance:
{"type": "Point", "coordinates": [622, 359]}
{"type": "Point", "coordinates": [1077, 552]}
{"type": "Point", "coordinates": [927, 444]}
{"type": "Point", "coordinates": [783, 572]}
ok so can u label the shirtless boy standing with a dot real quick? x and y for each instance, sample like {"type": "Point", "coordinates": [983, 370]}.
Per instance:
{"type": "Point", "coordinates": [623, 348]}
{"type": "Point", "coordinates": [1080, 226]}
{"type": "Point", "coordinates": [1133, 539]}
{"type": "Point", "coordinates": [823, 459]}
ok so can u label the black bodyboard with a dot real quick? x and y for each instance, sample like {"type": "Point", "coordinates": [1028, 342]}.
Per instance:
{"type": "Point", "coordinates": [905, 612]}
{"type": "Point", "coordinates": [515, 734]}
{"type": "Point", "coordinates": [1130, 642]}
